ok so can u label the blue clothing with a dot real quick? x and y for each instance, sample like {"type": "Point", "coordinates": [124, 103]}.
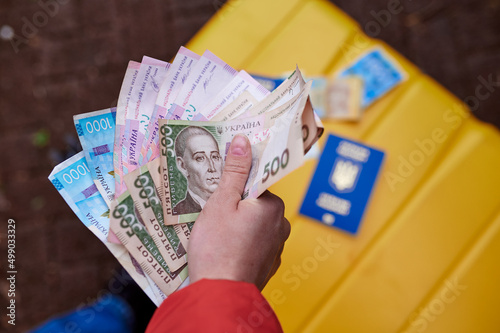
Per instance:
{"type": "Point", "coordinates": [109, 314]}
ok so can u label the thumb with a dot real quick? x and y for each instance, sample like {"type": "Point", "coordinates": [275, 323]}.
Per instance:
{"type": "Point", "coordinates": [236, 169]}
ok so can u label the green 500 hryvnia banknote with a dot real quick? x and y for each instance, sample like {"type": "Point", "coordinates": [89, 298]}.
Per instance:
{"type": "Point", "coordinates": [143, 190]}
{"type": "Point", "coordinates": [126, 224]}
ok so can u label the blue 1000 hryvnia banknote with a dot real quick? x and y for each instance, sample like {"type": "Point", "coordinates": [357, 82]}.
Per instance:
{"type": "Point", "coordinates": [75, 184]}
{"type": "Point", "coordinates": [96, 131]}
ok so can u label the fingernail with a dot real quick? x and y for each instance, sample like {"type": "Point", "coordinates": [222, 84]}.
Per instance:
{"type": "Point", "coordinates": [239, 145]}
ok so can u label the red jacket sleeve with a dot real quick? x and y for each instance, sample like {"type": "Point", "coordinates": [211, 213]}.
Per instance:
{"type": "Point", "coordinates": [215, 306]}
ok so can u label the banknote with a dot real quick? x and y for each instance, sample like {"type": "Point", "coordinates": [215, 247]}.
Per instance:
{"type": "Point", "coordinates": [122, 108]}
{"type": "Point", "coordinates": [207, 78]}
{"type": "Point", "coordinates": [151, 95]}
{"type": "Point", "coordinates": [275, 113]}
{"type": "Point", "coordinates": [96, 131]}
{"type": "Point", "coordinates": [176, 76]}
{"type": "Point", "coordinates": [192, 158]}
{"type": "Point", "coordinates": [344, 98]}
{"type": "Point", "coordinates": [241, 104]}
{"type": "Point", "coordinates": [282, 94]}
{"type": "Point", "coordinates": [240, 83]}
{"type": "Point", "coordinates": [130, 230]}
{"type": "Point", "coordinates": [333, 97]}
{"type": "Point", "coordinates": [318, 89]}
{"type": "Point", "coordinates": [318, 94]}
{"type": "Point", "coordinates": [282, 148]}
{"type": "Point", "coordinates": [74, 182]}
{"type": "Point", "coordinates": [312, 128]}
{"type": "Point", "coordinates": [183, 231]}
{"type": "Point", "coordinates": [379, 71]}
{"type": "Point", "coordinates": [185, 60]}
{"type": "Point", "coordinates": [143, 97]}
{"type": "Point", "coordinates": [143, 191]}
{"type": "Point", "coordinates": [119, 147]}
{"type": "Point", "coordinates": [72, 178]}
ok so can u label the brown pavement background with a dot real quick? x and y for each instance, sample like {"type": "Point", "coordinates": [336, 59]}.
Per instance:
{"type": "Point", "coordinates": [75, 62]}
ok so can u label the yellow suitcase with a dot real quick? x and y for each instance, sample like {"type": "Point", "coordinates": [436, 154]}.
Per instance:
{"type": "Point", "coordinates": [427, 255]}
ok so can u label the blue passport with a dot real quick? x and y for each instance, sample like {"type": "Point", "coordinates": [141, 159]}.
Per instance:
{"type": "Point", "coordinates": [342, 183]}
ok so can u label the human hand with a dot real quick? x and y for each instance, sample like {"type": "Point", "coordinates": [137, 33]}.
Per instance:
{"type": "Point", "coordinates": [236, 239]}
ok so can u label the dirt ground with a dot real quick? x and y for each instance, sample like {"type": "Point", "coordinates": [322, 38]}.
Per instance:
{"type": "Point", "coordinates": [75, 63]}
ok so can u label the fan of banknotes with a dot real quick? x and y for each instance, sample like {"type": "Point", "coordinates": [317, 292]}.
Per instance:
{"type": "Point", "coordinates": [149, 165]}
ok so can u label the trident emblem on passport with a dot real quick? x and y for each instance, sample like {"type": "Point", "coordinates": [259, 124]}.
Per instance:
{"type": "Point", "coordinates": [344, 175]}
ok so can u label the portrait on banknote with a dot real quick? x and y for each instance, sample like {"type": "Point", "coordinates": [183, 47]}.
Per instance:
{"type": "Point", "coordinates": [199, 161]}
